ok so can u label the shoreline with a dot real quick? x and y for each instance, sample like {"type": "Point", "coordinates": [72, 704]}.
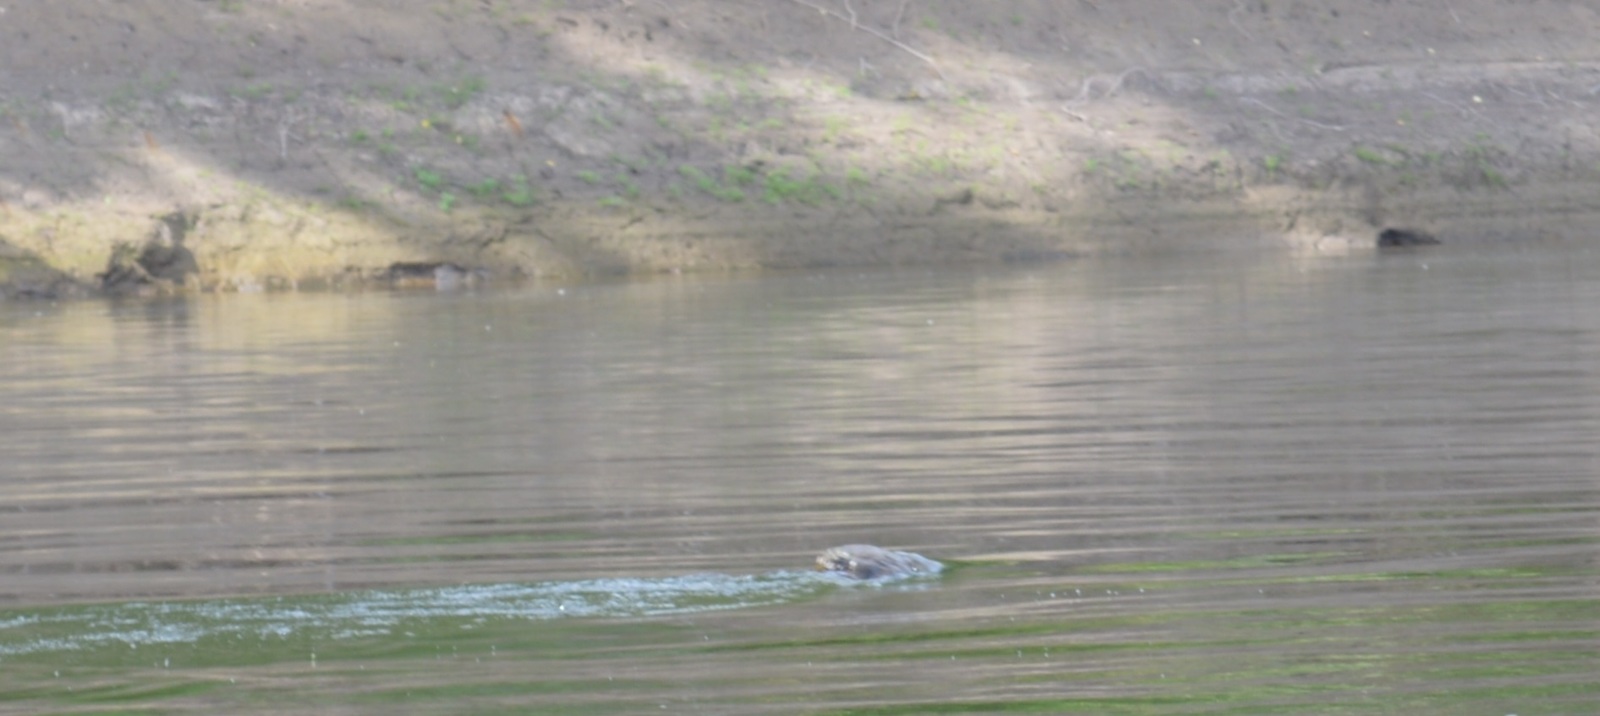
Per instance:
{"type": "Point", "coordinates": [266, 247]}
{"type": "Point", "coordinates": [595, 139]}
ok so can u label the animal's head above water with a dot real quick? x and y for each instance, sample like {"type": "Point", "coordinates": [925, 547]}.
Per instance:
{"type": "Point", "coordinates": [864, 561]}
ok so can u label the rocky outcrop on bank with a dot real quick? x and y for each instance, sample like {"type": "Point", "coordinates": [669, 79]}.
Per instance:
{"type": "Point", "coordinates": [204, 145]}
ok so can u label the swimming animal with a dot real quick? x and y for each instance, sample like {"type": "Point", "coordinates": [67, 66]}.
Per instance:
{"type": "Point", "coordinates": [864, 561]}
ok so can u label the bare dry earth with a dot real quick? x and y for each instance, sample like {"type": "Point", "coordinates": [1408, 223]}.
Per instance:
{"type": "Point", "coordinates": [277, 143]}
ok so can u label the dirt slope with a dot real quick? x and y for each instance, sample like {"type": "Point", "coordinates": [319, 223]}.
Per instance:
{"type": "Point", "coordinates": [276, 143]}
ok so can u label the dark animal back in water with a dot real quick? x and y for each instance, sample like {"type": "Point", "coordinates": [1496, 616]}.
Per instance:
{"type": "Point", "coordinates": [864, 561]}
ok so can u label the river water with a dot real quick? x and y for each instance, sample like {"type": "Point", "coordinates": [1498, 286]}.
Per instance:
{"type": "Point", "coordinates": [1226, 484]}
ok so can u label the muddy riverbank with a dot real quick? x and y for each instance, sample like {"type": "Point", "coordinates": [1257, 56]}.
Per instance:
{"type": "Point", "coordinates": [222, 145]}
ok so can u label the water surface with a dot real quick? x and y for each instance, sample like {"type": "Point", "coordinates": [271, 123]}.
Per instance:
{"type": "Point", "coordinates": [1361, 484]}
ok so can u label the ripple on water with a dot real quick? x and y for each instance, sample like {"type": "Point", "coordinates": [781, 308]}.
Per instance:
{"type": "Point", "coordinates": [377, 613]}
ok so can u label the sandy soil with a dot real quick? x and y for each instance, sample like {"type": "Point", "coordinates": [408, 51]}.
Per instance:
{"type": "Point", "coordinates": [260, 144]}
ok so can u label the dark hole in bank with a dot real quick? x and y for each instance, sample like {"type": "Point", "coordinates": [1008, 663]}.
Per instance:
{"type": "Point", "coordinates": [1394, 237]}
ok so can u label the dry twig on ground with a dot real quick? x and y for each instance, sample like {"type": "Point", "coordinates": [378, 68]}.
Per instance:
{"type": "Point", "coordinates": [1238, 7]}
{"type": "Point", "coordinates": [875, 32]}
{"type": "Point", "coordinates": [1116, 84]}
{"type": "Point", "coordinates": [1269, 108]}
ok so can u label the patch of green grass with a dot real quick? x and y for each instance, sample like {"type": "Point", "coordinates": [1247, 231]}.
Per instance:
{"type": "Point", "coordinates": [656, 75]}
{"type": "Point", "coordinates": [429, 179]}
{"type": "Point", "coordinates": [738, 176]}
{"type": "Point", "coordinates": [781, 187]}
{"type": "Point", "coordinates": [1272, 163]}
{"type": "Point", "coordinates": [255, 91]}
{"type": "Point", "coordinates": [447, 201]}
{"type": "Point", "coordinates": [633, 165]}
{"type": "Point", "coordinates": [485, 188]}
{"type": "Point", "coordinates": [360, 136]}
{"type": "Point", "coordinates": [519, 194]}
{"type": "Point", "coordinates": [1492, 176]}
{"type": "Point", "coordinates": [407, 101]}
{"type": "Point", "coordinates": [833, 127]}
{"type": "Point", "coordinates": [1480, 157]}
{"type": "Point", "coordinates": [630, 188]}
{"type": "Point", "coordinates": [710, 185]}
{"type": "Point", "coordinates": [612, 202]}
{"type": "Point", "coordinates": [589, 177]}
{"type": "Point", "coordinates": [1371, 156]}
{"type": "Point", "coordinates": [457, 95]}
{"type": "Point", "coordinates": [937, 164]}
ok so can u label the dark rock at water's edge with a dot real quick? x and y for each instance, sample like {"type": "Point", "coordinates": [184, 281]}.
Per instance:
{"type": "Point", "coordinates": [864, 561]}
{"type": "Point", "coordinates": [1397, 237]}
{"type": "Point", "coordinates": [162, 262]}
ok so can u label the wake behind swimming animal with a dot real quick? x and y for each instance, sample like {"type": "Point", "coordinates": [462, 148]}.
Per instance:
{"type": "Point", "coordinates": [864, 561]}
